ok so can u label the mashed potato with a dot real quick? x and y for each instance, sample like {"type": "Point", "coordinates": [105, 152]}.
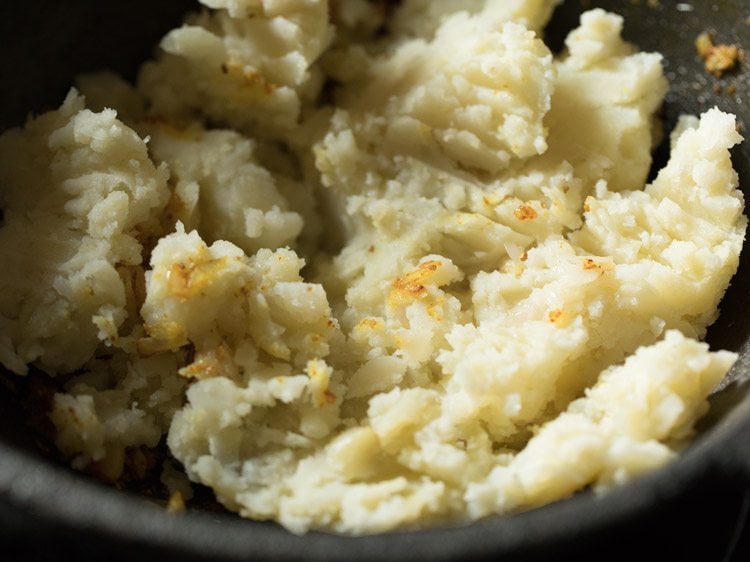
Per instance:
{"type": "Point", "coordinates": [447, 293]}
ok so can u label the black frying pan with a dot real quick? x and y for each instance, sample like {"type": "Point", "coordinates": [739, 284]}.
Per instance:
{"type": "Point", "coordinates": [696, 503]}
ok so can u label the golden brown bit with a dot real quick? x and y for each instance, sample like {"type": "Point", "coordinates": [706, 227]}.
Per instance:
{"type": "Point", "coordinates": [369, 323]}
{"type": "Point", "coordinates": [248, 77]}
{"type": "Point", "coordinates": [214, 363]}
{"type": "Point", "coordinates": [524, 256]}
{"type": "Point", "coordinates": [717, 59]}
{"type": "Point", "coordinates": [593, 265]}
{"type": "Point", "coordinates": [411, 286]}
{"type": "Point", "coordinates": [187, 280]}
{"type": "Point", "coordinates": [525, 213]}
{"type": "Point", "coordinates": [329, 397]}
{"type": "Point", "coordinates": [723, 59]}
{"type": "Point", "coordinates": [586, 206]}
{"type": "Point", "coordinates": [412, 289]}
{"type": "Point", "coordinates": [704, 44]}
{"type": "Point", "coordinates": [164, 336]}
{"type": "Point", "coordinates": [176, 503]}
{"type": "Point", "coordinates": [556, 316]}
{"type": "Point", "coordinates": [731, 89]}
{"type": "Point", "coordinates": [330, 323]}
{"type": "Point", "coordinates": [371, 249]}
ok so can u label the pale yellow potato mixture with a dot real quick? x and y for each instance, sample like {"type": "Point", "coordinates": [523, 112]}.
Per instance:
{"type": "Point", "coordinates": [440, 294]}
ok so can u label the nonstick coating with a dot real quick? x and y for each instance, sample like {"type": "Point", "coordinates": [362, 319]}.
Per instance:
{"type": "Point", "coordinates": [46, 43]}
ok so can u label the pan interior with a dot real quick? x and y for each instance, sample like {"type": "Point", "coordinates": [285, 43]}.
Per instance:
{"type": "Point", "coordinates": [46, 45]}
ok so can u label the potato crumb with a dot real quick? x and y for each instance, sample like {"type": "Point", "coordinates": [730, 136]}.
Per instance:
{"type": "Point", "coordinates": [176, 503]}
{"type": "Point", "coordinates": [718, 59]}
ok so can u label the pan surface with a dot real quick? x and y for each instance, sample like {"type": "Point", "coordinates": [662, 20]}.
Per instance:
{"type": "Point", "coordinates": [46, 43]}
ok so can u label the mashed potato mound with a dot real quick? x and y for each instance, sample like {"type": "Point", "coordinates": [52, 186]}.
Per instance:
{"type": "Point", "coordinates": [248, 65]}
{"type": "Point", "coordinates": [79, 196]}
{"type": "Point", "coordinates": [445, 293]}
